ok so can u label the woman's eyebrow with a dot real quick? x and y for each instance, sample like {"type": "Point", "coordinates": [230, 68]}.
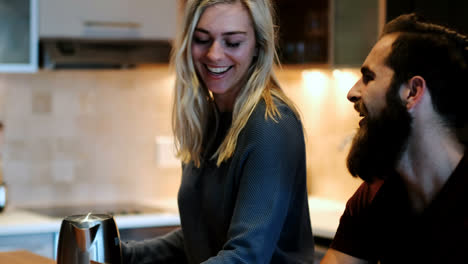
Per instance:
{"type": "Point", "coordinates": [224, 34]}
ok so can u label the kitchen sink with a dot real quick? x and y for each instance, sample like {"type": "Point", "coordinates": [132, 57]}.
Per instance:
{"type": "Point", "coordinates": [107, 208]}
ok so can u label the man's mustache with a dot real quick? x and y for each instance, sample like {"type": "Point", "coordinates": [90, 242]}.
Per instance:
{"type": "Point", "coordinates": [360, 108]}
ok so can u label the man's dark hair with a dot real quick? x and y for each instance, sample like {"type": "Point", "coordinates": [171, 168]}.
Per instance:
{"type": "Point", "coordinates": [438, 54]}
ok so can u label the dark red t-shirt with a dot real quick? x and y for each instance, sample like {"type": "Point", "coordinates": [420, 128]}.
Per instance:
{"type": "Point", "coordinates": [379, 225]}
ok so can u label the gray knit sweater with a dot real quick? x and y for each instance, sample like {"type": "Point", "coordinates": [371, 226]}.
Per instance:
{"type": "Point", "coordinates": [251, 209]}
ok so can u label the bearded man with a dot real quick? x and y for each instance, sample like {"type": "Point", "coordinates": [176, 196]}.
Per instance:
{"type": "Point", "coordinates": [413, 204]}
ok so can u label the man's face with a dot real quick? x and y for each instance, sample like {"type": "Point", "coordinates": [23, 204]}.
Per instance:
{"type": "Point", "coordinates": [386, 124]}
{"type": "Point", "coordinates": [376, 78]}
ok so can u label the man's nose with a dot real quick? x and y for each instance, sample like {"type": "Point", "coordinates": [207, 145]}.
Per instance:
{"type": "Point", "coordinates": [354, 93]}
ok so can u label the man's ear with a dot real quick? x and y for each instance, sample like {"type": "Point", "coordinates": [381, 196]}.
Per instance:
{"type": "Point", "coordinates": [413, 91]}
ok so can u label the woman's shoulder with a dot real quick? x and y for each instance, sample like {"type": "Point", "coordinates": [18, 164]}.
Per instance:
{"type": "Point", "coordinates": [285, 112]}
{"type": "Point", "coordinates": [259, 122]}
{"type": "Point", "coordinates": [283, 134]}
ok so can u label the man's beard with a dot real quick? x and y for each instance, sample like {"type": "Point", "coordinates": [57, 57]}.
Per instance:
{"type": "Point", "coordinates": [378, 145]}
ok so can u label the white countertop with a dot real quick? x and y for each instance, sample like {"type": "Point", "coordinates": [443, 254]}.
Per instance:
{"type": "Point", "coordinates": [324, 215]}
{"type": "Point", "coordinates": [14, 221]}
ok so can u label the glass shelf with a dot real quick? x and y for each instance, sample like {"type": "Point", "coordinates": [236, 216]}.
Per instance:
{"type": "Point", "coordinates": [18, 36]}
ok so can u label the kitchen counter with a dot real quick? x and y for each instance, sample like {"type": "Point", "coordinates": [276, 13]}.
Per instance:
{"type": "Point", "coordinates": [15, 221]}
{"type": "Point", "coordinates": [18, 222]}
{"type": "Point", "coordinates": [324, 215]}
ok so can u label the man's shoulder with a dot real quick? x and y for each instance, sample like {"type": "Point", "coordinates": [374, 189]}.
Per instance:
{"type": "Point", "coordinates": [364, 196]}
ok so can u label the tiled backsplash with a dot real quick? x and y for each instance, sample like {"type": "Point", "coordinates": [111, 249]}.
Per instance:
{"type": "Point", "coordinates": [75, 136]}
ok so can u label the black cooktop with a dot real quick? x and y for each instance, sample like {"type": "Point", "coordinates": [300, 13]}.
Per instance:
{"type": "Point", "coordinates": [111, 208]}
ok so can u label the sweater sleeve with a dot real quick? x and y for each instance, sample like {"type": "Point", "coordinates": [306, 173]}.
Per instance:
{"type": "Point", "coordinates": [165, 249]}
{"type": "Point", "coordinates": [273, 160]}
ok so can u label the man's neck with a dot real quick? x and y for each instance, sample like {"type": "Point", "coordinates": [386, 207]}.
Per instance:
{"type": "Point", "coordinates": [427, 163]}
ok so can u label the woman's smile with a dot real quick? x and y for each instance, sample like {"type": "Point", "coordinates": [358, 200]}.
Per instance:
{"type": "Point", "coordinates": [217, 71]}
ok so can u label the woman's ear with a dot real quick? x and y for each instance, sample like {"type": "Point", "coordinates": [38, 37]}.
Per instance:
{"type": "Point", "coordinates": [413, 91]}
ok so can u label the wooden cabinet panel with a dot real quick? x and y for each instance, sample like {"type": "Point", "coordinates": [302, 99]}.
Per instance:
{"type": "Point", "coordinates": [23, 257]}
{"type": "Point", "coordinates": [303, 32]}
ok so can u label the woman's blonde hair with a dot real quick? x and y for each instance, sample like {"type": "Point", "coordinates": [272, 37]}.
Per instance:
{"type": "Point", "coordinates": [192, 100]}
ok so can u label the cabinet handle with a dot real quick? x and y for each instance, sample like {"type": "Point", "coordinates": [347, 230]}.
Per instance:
{"type": "Point", "coordinates": [111, 24]}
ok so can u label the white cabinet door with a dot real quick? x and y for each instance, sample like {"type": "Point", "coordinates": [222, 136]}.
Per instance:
{"type": "Point", "coordinates": [104, 19]}
{"type": "Point", "coordinates": [18, 36]}
{"type": "Point", "coordinates": [156, 17]}
{"type": "Point", "coordinates": [69, 18]}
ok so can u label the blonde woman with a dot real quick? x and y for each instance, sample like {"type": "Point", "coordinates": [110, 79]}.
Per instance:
{"type": "Point", "coordinates": [243, 195]}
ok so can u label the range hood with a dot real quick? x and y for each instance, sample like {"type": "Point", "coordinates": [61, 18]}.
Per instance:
{"type": "Point", "coordinates": [69, 53]}
{"type": "Point", "coordinates": [105, 33]}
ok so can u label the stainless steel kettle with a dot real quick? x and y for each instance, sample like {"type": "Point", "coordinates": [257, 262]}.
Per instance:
{"type": "Point", "coordinates": [89, 239]}
{"type": "Point", "coordinates": [3, 196]}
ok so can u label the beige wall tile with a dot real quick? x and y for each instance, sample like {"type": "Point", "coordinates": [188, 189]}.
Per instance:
{"type": "Point", "coordinates": [41, 102]}
{"type": "Point", "coordinates": [84, 136]}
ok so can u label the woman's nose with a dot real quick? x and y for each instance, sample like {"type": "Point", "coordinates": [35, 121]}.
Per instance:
{"type": "Point", "coordinates": [215, 52]}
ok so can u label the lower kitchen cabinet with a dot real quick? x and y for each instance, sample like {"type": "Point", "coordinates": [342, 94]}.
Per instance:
{"type": "Point", "coordinates": [321, 246]}
{"type": "Point", "coordinates": [41, 244]}
{"type": "Point", "coordinates": [45, 244]}
{"type": "Point", "coordinates": [128, 234]}
{"type": "Point", "coordinates": [321, 243]}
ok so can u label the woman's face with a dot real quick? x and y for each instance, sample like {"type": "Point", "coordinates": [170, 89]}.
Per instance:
{"type": "Point", "coordinates": [223, 47]}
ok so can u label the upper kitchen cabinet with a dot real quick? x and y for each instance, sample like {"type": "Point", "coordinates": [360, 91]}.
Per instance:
{"type": "Point", "coordinates": [355, 27]}
{"type": "Point", "coordinates": [339, 33]}
{"type": "Point", "coordinates": [107, 19]}
{"type": "Point", "coordinates": [451, 13]}
{"type": "Point", "coordinates": [105, 33]}
{"type": "Point", "coordinates": [303, 31]}
{"type": "Point", "coordinates": [18, 36]}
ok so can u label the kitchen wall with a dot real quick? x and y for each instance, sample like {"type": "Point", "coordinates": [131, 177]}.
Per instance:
{"type": "Point", "coordinates": [81, 136]}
